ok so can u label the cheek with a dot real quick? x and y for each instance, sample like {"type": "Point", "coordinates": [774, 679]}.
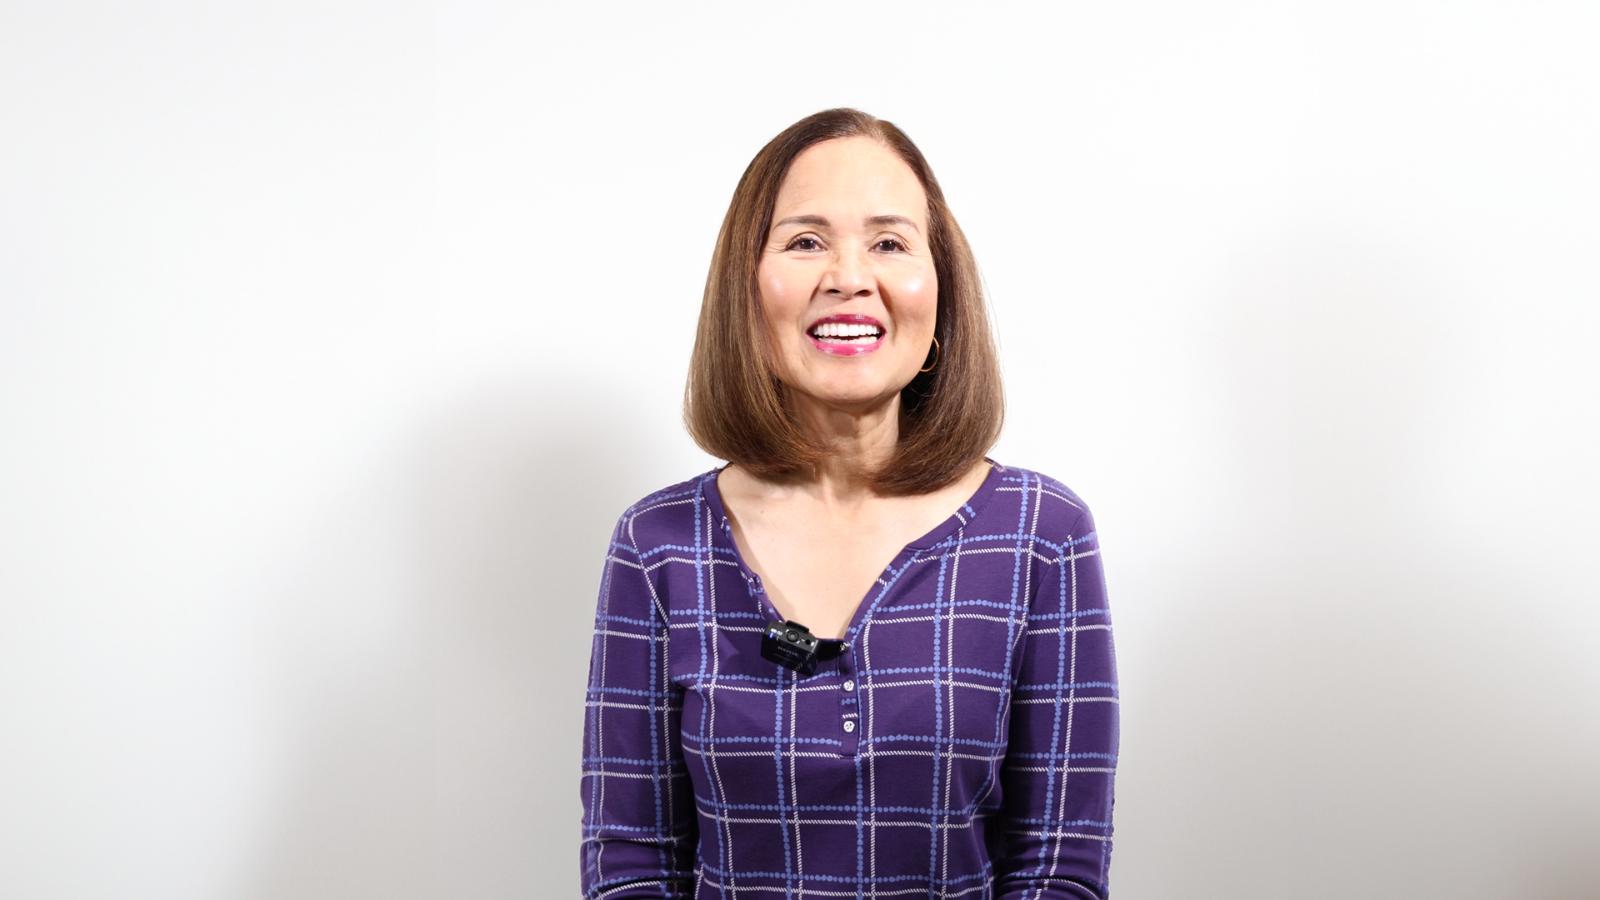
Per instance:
{"type": "Point", "coordinates": [778, 286]}
{"type": "Point", "coordinates": [921, 286]}
{"type": "Point", "coordinates": [917, 296]}
{"type": "Point", "coordinates": [779, 304]}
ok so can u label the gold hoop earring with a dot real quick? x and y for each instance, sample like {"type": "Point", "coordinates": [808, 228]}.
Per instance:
{"type": "Point", "coordinates": [935, 355]}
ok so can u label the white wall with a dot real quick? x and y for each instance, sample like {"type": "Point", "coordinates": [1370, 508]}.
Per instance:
{"type": "Point", "coordinates": [313, 316]}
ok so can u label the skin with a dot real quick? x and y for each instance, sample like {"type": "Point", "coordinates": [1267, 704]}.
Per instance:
{"type": "Point", "coordinates": [810, 270]}
{"type": "Point", "coordinates": [820, 545]}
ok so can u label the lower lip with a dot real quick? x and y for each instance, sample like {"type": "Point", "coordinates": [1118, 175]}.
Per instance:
{"type": "Point", "coordinates": [845, 349]}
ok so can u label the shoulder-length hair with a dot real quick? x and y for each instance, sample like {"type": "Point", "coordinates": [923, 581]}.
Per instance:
{"type": "Point", "coordinates": [736, 408]}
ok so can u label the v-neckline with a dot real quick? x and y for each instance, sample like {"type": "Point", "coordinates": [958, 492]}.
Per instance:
{"type": "Point", "coordinates": [962, 515]}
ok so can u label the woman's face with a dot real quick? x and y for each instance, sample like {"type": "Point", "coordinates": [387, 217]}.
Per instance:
{"type": "Point", "coordinates": [849, 236]}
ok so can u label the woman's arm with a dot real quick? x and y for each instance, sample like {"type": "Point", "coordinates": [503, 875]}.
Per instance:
{"type": "Point", "coordinates": [639, 830]}
{"type": "Point", "coordinates": [1059, 772]}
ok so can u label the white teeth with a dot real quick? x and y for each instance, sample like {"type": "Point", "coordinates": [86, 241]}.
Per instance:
{"type": "Point", "coordinates": [844, 330]}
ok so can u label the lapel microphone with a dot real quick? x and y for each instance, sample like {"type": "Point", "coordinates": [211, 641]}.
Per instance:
{"type": "Point", "coordinates": [793, 646]}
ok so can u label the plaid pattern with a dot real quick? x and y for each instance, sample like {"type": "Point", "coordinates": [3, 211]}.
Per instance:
{"type": "Point", "coordinates": [963, 743]}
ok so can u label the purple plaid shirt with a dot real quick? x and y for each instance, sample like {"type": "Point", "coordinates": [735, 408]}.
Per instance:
{"type": "Point", "coordinates": [960, 740]}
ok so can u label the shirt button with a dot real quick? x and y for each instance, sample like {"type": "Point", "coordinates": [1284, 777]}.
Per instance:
{"type": "Point", "coordinates": [849, 685]}
{"type": "Point", "coordinates": [849, 724]}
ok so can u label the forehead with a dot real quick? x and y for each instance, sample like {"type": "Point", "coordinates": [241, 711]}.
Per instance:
{"type": "Point", "coordinates": [853, 177]}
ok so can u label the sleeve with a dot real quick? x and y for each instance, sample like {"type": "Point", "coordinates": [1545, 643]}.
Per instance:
{"type": "Point", "coordinates": [639, 830]}
{"type": "Point", "coordinates": [1059, 771]}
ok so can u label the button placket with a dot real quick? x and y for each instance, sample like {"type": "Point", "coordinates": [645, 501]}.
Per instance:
{"type": "Point", "coordinates": [849, 703]}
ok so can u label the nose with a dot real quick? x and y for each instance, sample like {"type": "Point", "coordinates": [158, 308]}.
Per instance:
{"type": "Point", "coordinates": [847, 274]}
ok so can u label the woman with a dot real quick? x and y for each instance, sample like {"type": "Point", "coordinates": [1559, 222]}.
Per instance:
{"type": "Point", "coordinates": [862, 657]}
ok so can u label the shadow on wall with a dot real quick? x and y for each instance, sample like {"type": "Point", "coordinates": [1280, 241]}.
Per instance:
{"type": "Point", "coordinates": [444, 760]}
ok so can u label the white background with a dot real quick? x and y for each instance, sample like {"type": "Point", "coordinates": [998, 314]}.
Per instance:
{"type": "Point", "coordinates": [335, 337]}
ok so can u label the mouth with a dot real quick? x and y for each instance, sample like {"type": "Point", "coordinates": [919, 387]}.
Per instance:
{"type": "Point", "coordinates": [847, 334]}
{"type": "Point", "coordinates": [837, 341]}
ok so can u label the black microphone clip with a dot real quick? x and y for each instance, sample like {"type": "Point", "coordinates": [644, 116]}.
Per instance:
{"type": "Point", "coordinates": [793, 646]}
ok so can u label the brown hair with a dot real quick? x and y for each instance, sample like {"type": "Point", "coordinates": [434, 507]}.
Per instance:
{"type": "Point", "coordinates": [736, 408]}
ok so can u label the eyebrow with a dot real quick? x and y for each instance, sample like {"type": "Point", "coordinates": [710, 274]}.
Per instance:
{"type": "Point", "coordinates": [822, 222]}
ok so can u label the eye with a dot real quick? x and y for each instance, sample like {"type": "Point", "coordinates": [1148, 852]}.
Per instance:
{"type": "Point", "coordinates": [896, 243]}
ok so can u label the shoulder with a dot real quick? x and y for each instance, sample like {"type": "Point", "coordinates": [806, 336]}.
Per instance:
{"type": "Point", "coordinates": [668, 514]}
{"type": "Point", "coordinates": [1063, 515]}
